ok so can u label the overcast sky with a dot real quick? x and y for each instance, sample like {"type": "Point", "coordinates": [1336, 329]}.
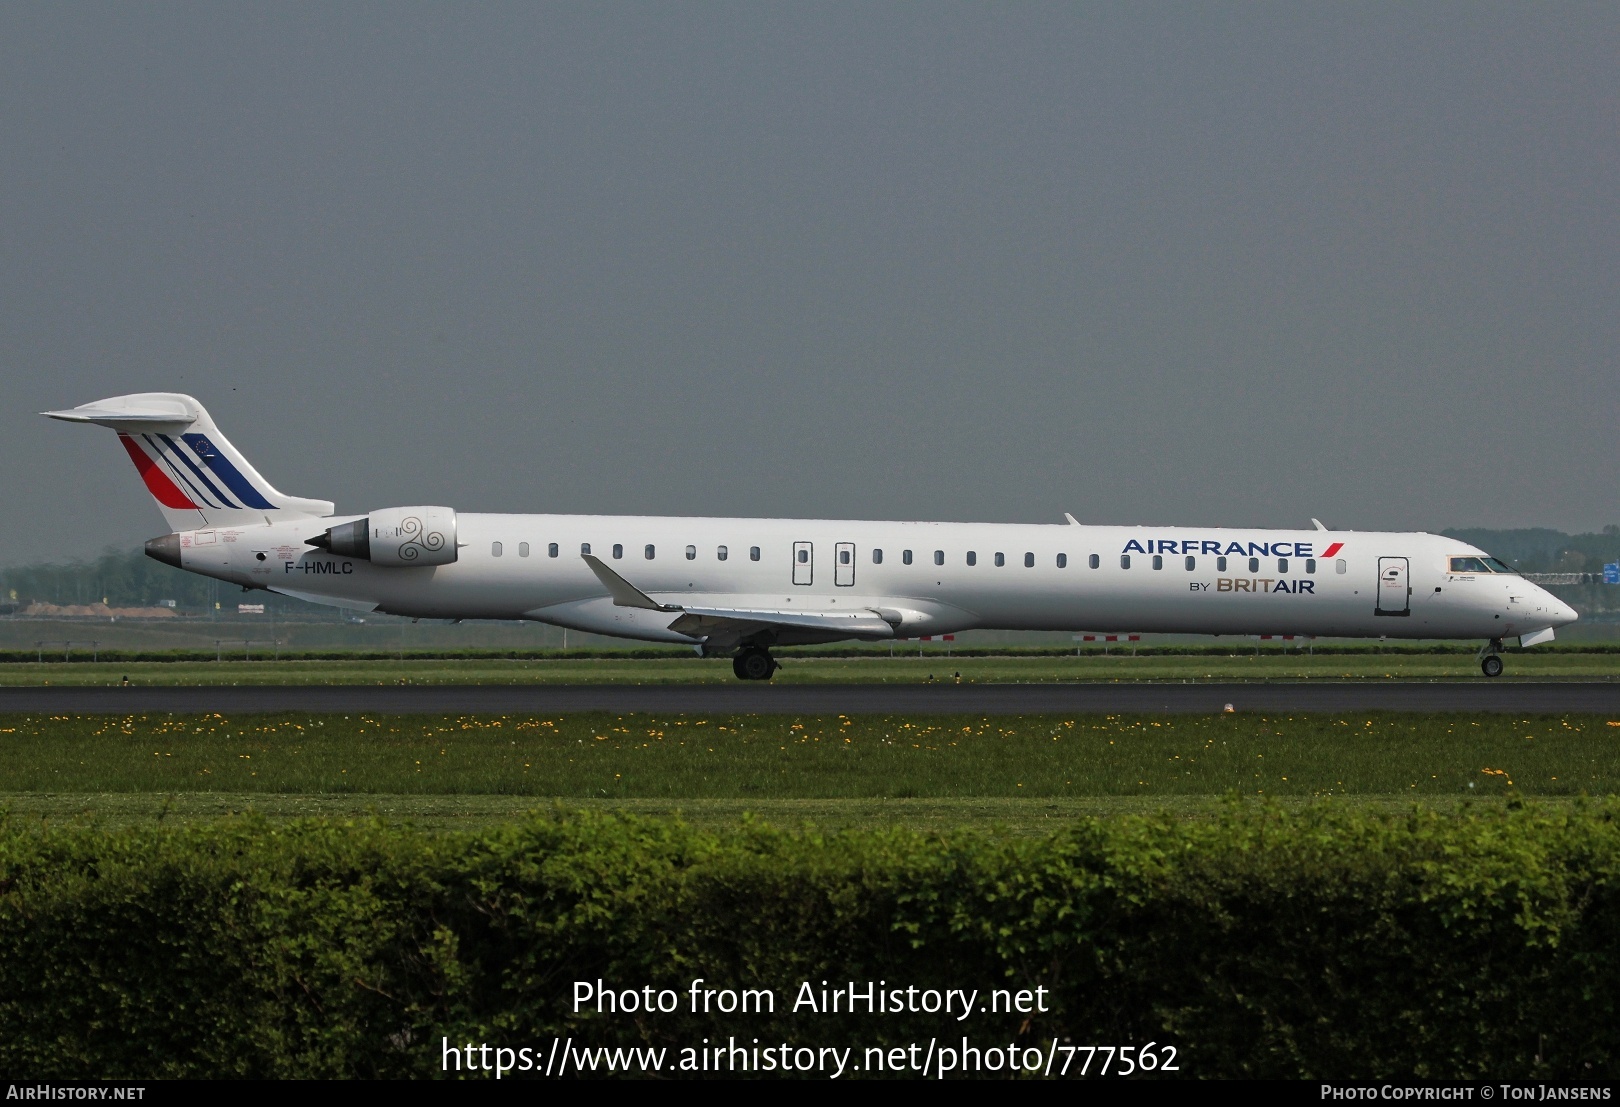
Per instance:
{"type": "Point", "coordinates": [1197, 263]}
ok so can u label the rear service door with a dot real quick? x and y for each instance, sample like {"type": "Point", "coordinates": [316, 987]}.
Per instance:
{"type": "Point", "coordinates": [803, 562]}
{"type": "Point", "coordinates": [844, 564]}
{"type": "Point", "coordinates": [1394, 589]}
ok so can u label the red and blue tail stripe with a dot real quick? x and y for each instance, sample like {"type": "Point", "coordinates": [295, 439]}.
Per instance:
{"type": "Point", "coordinates": [228, 473]}
{"type": "Point", "coordinates": [178, 473]}
{"type": "Point", "coordinates": [159, 483]}
{"type": "Point", "coordinates": [174, 451]}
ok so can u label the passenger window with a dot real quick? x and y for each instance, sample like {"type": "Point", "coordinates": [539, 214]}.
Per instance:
{"type": "Point", "coordinates": [584, 548]}
{"type": "Point", "coordinates": [973, 558]}
{"type": "Point", "coordinates": [523, 549]}
{"type": "Point", "coordinates": [495, 549]}
{"type": "Point", "coordinates": [1340, 567]}
{"type": "Point", "coordinates": [1310, 564]}
{"type": "Point", "coordinates": [804, 556]}
{"type": "Point", "coordinates": [691, 553]}
{"type": "Point", "coordinates": [753, 553]}
{"type": "Point", "coordinates": [1220, 564]}
{"type": "Point", "coordinates": [1063, 561]}
{"type": "Point", "coordinates": [1029, 561]}
{"type": "Point", "coordinates": [1124, 561]}
{"type": "Point", "coordinates": [1094, 561]}
{"type": "Point", "coordinates": [720, 553]}
{"type": "Point", "coordinates": [648, 552]}
{"type": "Point", "coordinates": [845, 557]}
{"type": "Point", "coordinates": [939, 557]}
{"type": "Point", "coordinates": [551, 550]}
{"type": "Point", "coordinates": [1001, 559]}
{"type": "Point", "coordinates": [905, 557]}
{"type": "Point", "coordinates": [1282, 564]}
{"type": "Point", "coordinates": [1192, 563]}
{"type": "Point", "coordinates": [1158, 561]}
{"type": "Point", "coordinates": [618, 549]}
{"type": "Point", "coordinates": [877, 556]}
{"type": "Point", "coordinates": [1254, 564]}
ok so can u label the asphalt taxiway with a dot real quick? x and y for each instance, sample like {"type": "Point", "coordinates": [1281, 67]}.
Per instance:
{"type": "Point", "coordinates": [1310, 697]}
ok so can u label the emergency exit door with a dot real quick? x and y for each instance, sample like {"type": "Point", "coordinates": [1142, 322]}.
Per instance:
{"type": "Point", "coordinates": [844, 564]}
{"type": "Point", "coordinates": [1394, 589]}
{"type": "Point", "coordinates": [803, 562]}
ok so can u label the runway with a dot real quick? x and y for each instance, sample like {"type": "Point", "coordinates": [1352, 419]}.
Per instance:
{"type": "Point", "coordinates": [1527, 697]}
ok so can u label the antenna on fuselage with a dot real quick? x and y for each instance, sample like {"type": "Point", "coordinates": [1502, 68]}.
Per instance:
{"type": "Point", "coordinates": [1073, 522]}
{"type": "Point", "coordinates": [1317, 523]}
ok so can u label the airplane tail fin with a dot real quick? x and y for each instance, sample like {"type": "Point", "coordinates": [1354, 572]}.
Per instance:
{"type": "Point", "coordinates": [193, 472]}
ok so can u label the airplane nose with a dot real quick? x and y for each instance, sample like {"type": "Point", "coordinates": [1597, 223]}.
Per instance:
{"type": "Point", "coordinates": [1558, 611]}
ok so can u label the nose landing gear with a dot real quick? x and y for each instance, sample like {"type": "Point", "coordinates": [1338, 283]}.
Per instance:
{"type": "Point", "coordinates": [754, 663]}
{"type": "Point", "coordinates": [1490, 663]}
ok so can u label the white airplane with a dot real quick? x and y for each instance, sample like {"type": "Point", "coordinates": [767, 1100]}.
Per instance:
{"type": "Point", "coordinates": [742, 586]}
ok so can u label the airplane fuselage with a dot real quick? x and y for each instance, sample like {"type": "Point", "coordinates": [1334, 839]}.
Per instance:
{"type": "Point", "coordinates": [746, 585]}
{"type": "Point", "coordinates": [918, 578]}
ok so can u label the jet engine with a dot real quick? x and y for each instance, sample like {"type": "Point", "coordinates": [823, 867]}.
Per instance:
{"type": "Point", "coordinates": [395, 536]}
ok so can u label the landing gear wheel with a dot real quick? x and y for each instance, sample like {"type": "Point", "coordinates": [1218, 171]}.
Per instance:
{"type": "Point", "coordinates": [1491, 666]}
{"type": "Point", "coordinates": [753, 664]}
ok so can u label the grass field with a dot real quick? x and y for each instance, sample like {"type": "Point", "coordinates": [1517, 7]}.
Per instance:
{"type": "Point", "coordinates": [1020, 773]}
{"type": "Point", "coordinates": [1395, 664]}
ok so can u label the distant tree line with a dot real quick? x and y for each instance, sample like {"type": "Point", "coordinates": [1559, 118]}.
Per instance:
{"type": "Point", "coordinates": [124, 578]}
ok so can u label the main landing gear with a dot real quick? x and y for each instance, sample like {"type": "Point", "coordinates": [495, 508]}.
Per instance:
{"type": "Point", "coordinates": [1490, 663]}
{"type": "Point", "coordinates": [754, 663]}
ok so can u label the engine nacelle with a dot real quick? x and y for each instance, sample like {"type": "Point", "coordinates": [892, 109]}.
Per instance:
{"type": "Point", "coordinates": [396, 536]}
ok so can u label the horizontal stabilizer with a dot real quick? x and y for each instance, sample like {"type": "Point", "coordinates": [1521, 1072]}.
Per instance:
{"type": "Point", "coordinates": [120, 411]}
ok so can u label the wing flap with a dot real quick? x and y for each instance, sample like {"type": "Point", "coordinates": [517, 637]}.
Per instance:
{"type": "Point", "coordinates": [854, 624]}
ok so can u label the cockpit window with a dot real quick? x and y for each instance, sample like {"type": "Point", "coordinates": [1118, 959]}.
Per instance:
{"type": "Point", "coordinates": [1482, 565]}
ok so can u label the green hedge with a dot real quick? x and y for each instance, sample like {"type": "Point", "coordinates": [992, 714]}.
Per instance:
{"type": "Point", "coordinates": [1324, 944]}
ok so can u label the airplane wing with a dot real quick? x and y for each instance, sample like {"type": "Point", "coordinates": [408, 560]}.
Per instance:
{"type": "Point", "coordinates": [701, 622]}
{"type": "Point", "coordinates": [623, 592]}
{"type": "Point", "coordinates": [325, 601]}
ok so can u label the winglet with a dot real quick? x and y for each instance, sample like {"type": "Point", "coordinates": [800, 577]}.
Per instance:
{"type": "Point", "coordinates": [1317, 523]}
{"type": "Point", "coordinates": [1073, 522]}
{"type": "Point", "coordinates": [623, 592]}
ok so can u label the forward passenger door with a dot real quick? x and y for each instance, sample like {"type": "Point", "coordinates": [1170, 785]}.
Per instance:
{"type": "Point", "coordinates": [1394, 587]}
